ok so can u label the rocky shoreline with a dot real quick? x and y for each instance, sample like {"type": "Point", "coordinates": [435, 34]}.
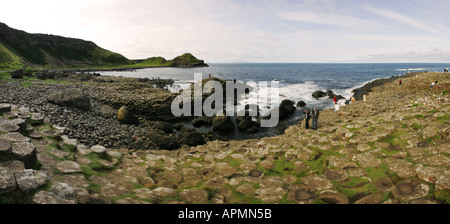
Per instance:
{"type": "Point", "coordinates": [393, 148]}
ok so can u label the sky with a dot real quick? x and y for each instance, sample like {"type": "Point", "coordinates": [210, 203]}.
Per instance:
{"type": "Point", "coordinates": [260, 31]}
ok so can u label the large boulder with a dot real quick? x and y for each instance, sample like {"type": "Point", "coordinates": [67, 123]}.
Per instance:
{"type": "Point", "coordinates": [25, 152]}
{"type": "Point", "coordinates": [164, 141]}
{"type": "Point", "coordinates": [202, 121]}
{"type": "Point", "coordinates": [247, 124]}
{"type": "Point", "coordinates": [17, 74]}
{"type": "Point", "coordinates": [286, 108]}
{"type": "Point", "coordinates": [28, 180]}
{"type": "Point", "coordinates": [7, 181]}
{"type": "Point", "coordinates": [126, 115]}
{"type": "Point", "coordinates": [223, 124]}
{"type": "Point", "coordinates": [70, 98]}
{"type": "Point", "coordinates": [318, 94]}
{"type": "Point", "coordinates": [163, 126]}
{"type": "Point", "coordinates": [301, 103]}
{"type": "Point", "coordinates": [191, 137]}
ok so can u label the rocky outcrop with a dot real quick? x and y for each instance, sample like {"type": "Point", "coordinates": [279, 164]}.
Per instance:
{"type": "Point", "coordinates": [126, 115]}
{"type": "Point", "coordinates": [70, 98]}
{"type": "Point", "coordinates": [223, 124]}
{"type": "Point", "coordinates": [318, 94]}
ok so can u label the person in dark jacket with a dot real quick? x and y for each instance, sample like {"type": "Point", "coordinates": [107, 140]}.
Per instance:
{"type": "Point", "coordinates": [315, 118]}
{"type": "Point", "coordinates": [307, 117]}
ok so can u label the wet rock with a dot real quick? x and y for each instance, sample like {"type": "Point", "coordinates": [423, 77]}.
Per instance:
{"type": "Point", "coordinates": [163, 141]}
{"type": "Point", "coordinates": [301, 103]}
{"type": "Point", "coordinates": [191, 137]}
{"type": "Point", "coordinates": [318, 94]}
{"type": "Point", "coordinates": [25, 152]}
{"type": "Point", "coordinates": [223, 124]}
{"type": "Point", "coordinates": [286, 108]}
{"type": "Point", "coordinates": [70, 98]}
{"type": "Point", "coordinates": [163, 126]}
{"type": "Point", "coordinates": [7, 181]}
{"type": "Point", "coordinates": [202, 121]}
{"type": "Point", "coordinates": [28, 180]}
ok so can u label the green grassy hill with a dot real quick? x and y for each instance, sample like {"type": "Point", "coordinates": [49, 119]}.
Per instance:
{"type": "Point", "coordinates": [19, 47]}
{"type": "Point", "coordinates": [186, 60]}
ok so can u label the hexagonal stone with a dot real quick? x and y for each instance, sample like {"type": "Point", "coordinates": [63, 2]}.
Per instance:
{"type": "Point", "coordinates": [28, 180]}
{"type": "Point", "coordinates": [317, 183]}
{"type": "Point", "coordinates": [301, 195]}
{"type": "Point", "coordinates": [7, 181]}
{"type": "Point", "coordinates": [13, 165]}
{"type": "Point", "coordinates": [5, 150]}
{"type": "Point", "coordinates": [21, 123]}
{"type": "Point", "coordinates": [16, 137]}
{"type": "Point", "coordinates": [52, 133]}
{"type": "Point", "coordinates": [36, 119]}
{"type": "Point", "coordinates": [68, 167]}
{"type": "Point", "coordinates": [8, 126]}
{"type": "Point", "coordinates": [25, 152]}
{"type": "Point", "coordinates": [370, 199]}
{"type": "Point", "coordinates": [409, 190]}
{"type": "Point", "coordinates": [98, 149]}
{"type": "Point", "coordinates": [46, 197]}
{"type": "Point", "coordinates": [334, 197]}
{"type": "Point", "coordinates": [4, 107]}
{"type": "Point", "coordinates": [194, 196]}
{"type": "Point", "coordinates": [63, 190]}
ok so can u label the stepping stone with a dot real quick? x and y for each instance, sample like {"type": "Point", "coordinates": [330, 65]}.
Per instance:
{"type": "Point", "coordinates": [4, 107]}
{"type": "Point", "coordinates": [35, 135]}
{"type": "Point", "coordinates": [7, 181]}
{"type": "Point", "coordinates": [51, 133]}
{"type": "Point", "coordinates": [21, 123]}
{"type": "Point", "coordinates": [16, 137]}
{"type": "Point", "coordinates": [70, 143]}
{"type": "Point", "coordinates": [46, 197]}
{"type": "Point", "coordinates": [28, 180]}
{"type": "Point", "coordinates": [25, 152]}
{"type": "Point", "coordinates": [36, 119]}
{"type": "Point", "coordinates": [98, 149]}
{"type": "Point", "coordinates": [13, 165]}
{"type": "Point", "coordinates": [5, 150]}
{"type": "Point", "coordinates": [333, 197]}
{"type": "Point", "coordinates": [63, 190]}
{"type": "Point", "coordinates": [10, 115]}
{"type": "Point", "coordinates": [196, 196]}
{"type": "Point", "coordinates": [68, 167]}
{"type": "Point", "coordinates": [8, 126]}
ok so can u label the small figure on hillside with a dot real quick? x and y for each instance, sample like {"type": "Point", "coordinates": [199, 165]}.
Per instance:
{"type": "Point", "coordinates": [432, 84]}
{"type": "Point", "coordinates": [307, 117]}
{"type": "Point", "coordinates": [315, 118]}
{"type": "Point", "coordinates": [352, 100]}
{"type": "Point", "coordinates": [400, 82]}
{"type": "Point", "coordinates": [446, 70]}
{"type": "Point", "coordinates": [335, 100]}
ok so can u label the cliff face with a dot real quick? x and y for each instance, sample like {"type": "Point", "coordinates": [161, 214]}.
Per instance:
{"type": "Point", "coordinates": [43, 49]}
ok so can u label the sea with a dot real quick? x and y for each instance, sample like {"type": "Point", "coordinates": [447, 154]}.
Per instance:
{"type": "Point", "coordinates": [297, 81]}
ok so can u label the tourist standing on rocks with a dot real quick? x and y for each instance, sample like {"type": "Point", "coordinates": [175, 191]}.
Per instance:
{"type": "Point", "coordinates": [307, 117]}
{"type": "Point", "coordinates": [352, 100]}
{"type": "Point", "coordinates": [315, 118]}
{"type": "Point", "coordinates": [400, 82]}
{"type": "Point", "coordinates": [335, 99]}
